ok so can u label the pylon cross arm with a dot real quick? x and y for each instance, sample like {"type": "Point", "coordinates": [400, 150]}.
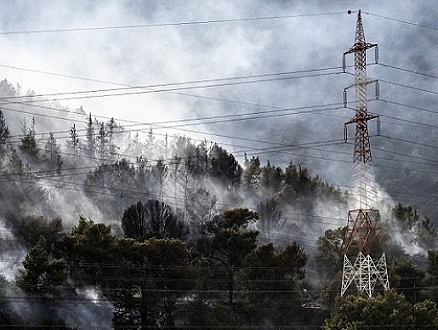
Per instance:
{"type": "Point", "coordinates": [360, 46]}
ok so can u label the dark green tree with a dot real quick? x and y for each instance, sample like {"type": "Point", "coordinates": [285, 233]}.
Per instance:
{"type": "Point", "coordinates": [252, 176]}
{"type": "Point", "coordinates": [330, 254]}
{"type": "Point", "coordinates": [427, 234]}
{"type": "Point", "coordinates": [154, 275]}
{"type": "Point", "coordinates": [271, 179]}
{"type": "Point", "coordinates": [29, 145]}
{"type": "Point", "coordinates": [90, 249]}
{"type": "Point", "coordinates": [111, 131]}
{"type": "Point", "coordinates": [406, 215]}
{"type": "Point", "coordinates": [42, 273]}
{"type": "Point", "coordinates": [270, 218]}
{"type": "Point", "coordinates": [225, 169]}
{"type": "Point", "coordinates": [90, 140]}
{"type": "Point", "coordinates": [32, 227]}
{"type": "Point", "coordinates": [15, 163]}
{"type": "Point", "coordinates": [226, 244]}
{"type": "Point", "coordinates": [273, 278]}
{"type": "Point", "coordinates": [4, 134]}
{"type": "Point", "coordinates": [52, 154]}
{"type": "Point", "coordinates": [406, 278]}
{"type": "Point", "coordinates": [152, 219]}
{"type": "Point", "coordinates": [102, 144]}
{"type": "Point", "coordinates": [329, 261]}
{"type": "Point", "coordinates": [387, 310]}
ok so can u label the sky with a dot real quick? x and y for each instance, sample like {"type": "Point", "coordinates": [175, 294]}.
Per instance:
{"type": "Point", "coordinates": [262, 78]}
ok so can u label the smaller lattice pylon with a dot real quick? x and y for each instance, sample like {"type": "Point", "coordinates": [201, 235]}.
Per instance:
{"type": "Point", "coordinates": [363, 225]}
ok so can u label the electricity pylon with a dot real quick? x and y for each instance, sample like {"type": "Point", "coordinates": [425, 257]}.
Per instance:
{"type": "Point", "coordinates": [363, 226]}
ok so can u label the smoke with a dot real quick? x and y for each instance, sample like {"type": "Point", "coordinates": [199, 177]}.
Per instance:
{"type": "Point", "coordinates": [88, 310]}
{"type": "Point", "coordinates": [12, 253]}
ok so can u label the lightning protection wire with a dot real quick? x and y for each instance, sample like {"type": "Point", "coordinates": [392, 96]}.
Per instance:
{"type": "Point", "coordinates": [174, 24]}
{"type": "Point", "coordinates": [402, 21]}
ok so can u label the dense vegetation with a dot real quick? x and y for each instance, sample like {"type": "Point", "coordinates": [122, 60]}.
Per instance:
{"type": "Point", "coordinates": [176, 234]}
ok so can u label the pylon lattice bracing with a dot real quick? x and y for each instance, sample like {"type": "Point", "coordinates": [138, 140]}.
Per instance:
{"type": "Point", "coordinates": [363, 225]}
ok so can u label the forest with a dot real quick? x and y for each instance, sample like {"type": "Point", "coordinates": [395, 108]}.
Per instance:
{"type": "Point", "coordinates": [107, 227]}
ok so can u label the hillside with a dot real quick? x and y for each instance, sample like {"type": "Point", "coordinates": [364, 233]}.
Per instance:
{"type": "Point", "coordinates": [85, 208]}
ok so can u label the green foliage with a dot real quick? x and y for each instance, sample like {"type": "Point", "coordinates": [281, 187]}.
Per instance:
{"type": "Point", "coordinates": [51, 324]}
{"type": "Point", "coordinates": [252, 175]}
{"type": "Point", "coordinates": [90, 247]}
{"type": "Point", "coordinates": [270, 218]}
{"type": "Point", "coordinates": [152, 219]}
{"type": "Point", "coordinates": [32, 227]}
{"type": "Point", "coordinates": [4, 134]}
{"type": "Point", "coordinates": [15, 163]}
{"type": "Point", "coordinates": [227, 244]}
{"type": "Point", "coordinates": [271, 179]}
{"type": "Point", "coordinates": [29, 145]}
{"type": "Point", "coordinates": [299, 188]}
{"type": "Point", "coordinates": [208, 316]}
{"type": "Point", "coordinates": [330, 255]}
{"type": "Point", "coordinates": [426, 315]}
{"type": "Point", "coordinates": [406, 215]}
{"type": "Point", "coordinates": [427, 234]}
{"type": "Point", "coordinates": [272, 279]}
{"type": "Point", "coordinates": [406, 278]}
{"type": "Point", "coordinates": [224, 168]}
{"type": "Point", "coordinates": [42, 273]}
{"type": "Point", "coordinates": [389, 309]}
{"type": "Point", "coordinates": [154, 274]}
{"type": "Point", "coordinates": [432, 270]}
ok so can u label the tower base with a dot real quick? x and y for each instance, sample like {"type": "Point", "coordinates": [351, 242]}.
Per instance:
{"type": "Point", "coordinates": [365, 273]}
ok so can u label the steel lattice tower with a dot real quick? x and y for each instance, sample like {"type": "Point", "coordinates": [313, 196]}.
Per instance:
{"type": "Point", "coordinates": [363, 226]}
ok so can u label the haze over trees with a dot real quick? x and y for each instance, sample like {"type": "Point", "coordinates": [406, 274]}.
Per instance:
{"type": "Point", "coordinates": [139, 232]}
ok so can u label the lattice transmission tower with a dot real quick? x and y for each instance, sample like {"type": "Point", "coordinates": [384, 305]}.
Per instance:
{"type": "Point", "coordinates": [363, 235]}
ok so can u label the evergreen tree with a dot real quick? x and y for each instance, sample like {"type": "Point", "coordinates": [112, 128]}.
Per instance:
{"type": "Point", "coordinates": [225, 169]}
{"type": "Point", "coordinates": [252, 176]}
{"type": "Point", "coordinates": [29, 145]}
{"type": "Point", "coordinates": [226, 244]}
{"type": "Point", "coordinates": [152, 219]}
{"type": "Point", "coordinates": [73, 141]}
{"type": "Point", "coordinates": [15, 163]}
{"type": "Point", "coordinates": [111, 127]}
{"type": "Point", "coordinates": [102, 139]}
{"type": "Point", "coordinates": [273, 279]}
{"type": "Point", "coordinates": [4, 134]}
{"type": "Point", "coordinates": [90, 143]}
{"type": "Point", "coordinates": [270, 218]}
{"type": "Point", "coordinates": [52, 153]}
{"type": "Point", "coordinates": [42, 273]}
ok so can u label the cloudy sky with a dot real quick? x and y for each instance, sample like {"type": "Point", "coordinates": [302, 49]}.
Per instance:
{"type": "Point", "coordinates": [258, 75]}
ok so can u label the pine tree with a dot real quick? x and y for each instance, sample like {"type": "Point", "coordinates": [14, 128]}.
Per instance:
{"type": "Point", "coordinates": [52, 152]}
{"type": "Point", "coordinates": [111, 126]}
{"type": "Point", "coordinates": [73, 142]}
{"type": "Point", "coordinates": [15, 163]}
{"type": "Point", "coordinates": [103, 140]}
{"type": "Point", "coordinates": [4, 133]}
{"type": "Point", "coordinates": [29, 145]}
{"type": "Point", "coordinates": [90, 144]}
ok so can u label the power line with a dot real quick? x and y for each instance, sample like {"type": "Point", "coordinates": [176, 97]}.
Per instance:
{"type": "Point", "coordinates": [195, 84]}
{"type": "Point", "coordinates": [407, 70]}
